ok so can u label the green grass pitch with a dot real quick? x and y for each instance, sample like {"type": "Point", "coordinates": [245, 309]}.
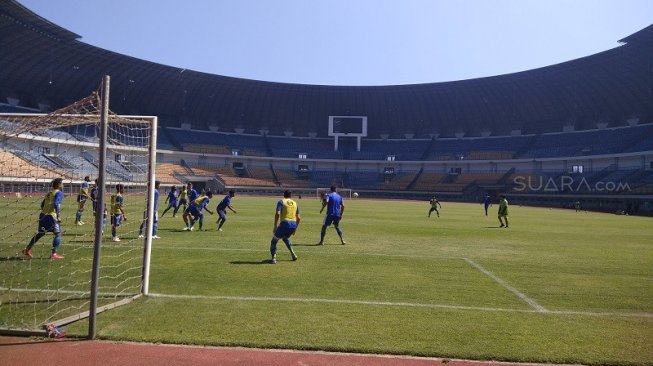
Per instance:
{"type": "Point", "coordinates": [557, 286]}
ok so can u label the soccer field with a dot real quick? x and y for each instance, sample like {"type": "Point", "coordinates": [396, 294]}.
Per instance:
{"type": "Point", "coordinates": [558, 286]}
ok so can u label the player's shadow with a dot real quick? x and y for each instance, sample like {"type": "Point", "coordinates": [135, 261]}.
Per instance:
{"type": "Point", "coordinates": [15, 258]}
{"type": "Point", "coordinates": [305, 245]}
{"type": "Point", "coordinates": [264, 261]}
{"type": "Point", "coordinates": [493, 227]}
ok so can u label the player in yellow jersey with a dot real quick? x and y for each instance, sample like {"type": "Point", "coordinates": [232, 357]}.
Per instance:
{"type": "Point", "coordinates": [81, 200]}
{"type": "Point", "coordinates": [49, 220]}
{"type": "Point", "coordinates": [434, 206]}
{"type": "Point", "coordinates": [503, 211]}
{"type": "Point", "coordinates": [117, 212]}
{"type": "Point", "coordinates": [286, 221]}
{"type": "Point", "coordinates": [194, 211]}
{"type": "Point", "coordinates": [183, 200]}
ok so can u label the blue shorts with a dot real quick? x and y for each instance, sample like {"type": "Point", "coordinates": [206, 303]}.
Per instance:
{"type": "Point", "coordinates": [172, 204]}
{"type": "Point", "coordinates": [183, 202]}
{"type": "Point", "coordinates": [195, 212]}
{"type": "Point", "coordinates": [222, 214]}
{"type": "Point", "coordinates": [285, 229]}
{"type": "Point", "coordinates": [81, 198]}
{"type": "Point", "coordinates": [116, 220]}
{"type": "Point", "coordinates": [332, 219]}
{"type": "Point", "coordinates": [48, 224]}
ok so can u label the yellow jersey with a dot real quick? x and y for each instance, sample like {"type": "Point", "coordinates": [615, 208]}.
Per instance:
{"type": "Point", "coordinates": [199, 201]}
{"type": "Point", "coordinates": [83, 191]}
{"type": "Point", "coordinates": [116, 204]}
{"type": "Point", "coordinates": [51, 202]}
{"type": "Point", "coordinates": [287, 209]}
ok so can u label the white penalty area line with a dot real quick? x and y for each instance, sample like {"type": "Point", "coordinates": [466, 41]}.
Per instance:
{"type": "Point", "coordinates": [539, 308]}
{"type": "Point", "coordinates": [394, 304]}
{"type": "Point", "coordinates": [332, 301]}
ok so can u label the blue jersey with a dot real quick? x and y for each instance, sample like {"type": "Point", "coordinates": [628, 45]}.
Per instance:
{"type": "Point", "coordinates": [156, 199]}
{"type": "Point", "coordinates": [487, 200]}
{"type": "Point", "coordinates": [172, 198]}
{"type": "Point", "coordinates": [334, 201]}
{"type": "Point", "coordinates": [226, 201]}
{"type": "Point", "coordinates": [192, 195]}
{"type": "Point", "coordinates": [94, 193]}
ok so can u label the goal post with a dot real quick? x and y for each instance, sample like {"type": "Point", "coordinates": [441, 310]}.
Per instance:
{"type": "Point", "coordinates": [80, 143]}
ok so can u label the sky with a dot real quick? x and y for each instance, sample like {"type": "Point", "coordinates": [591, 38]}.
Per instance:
{"type": "Point", "coordinates": [351, 42]}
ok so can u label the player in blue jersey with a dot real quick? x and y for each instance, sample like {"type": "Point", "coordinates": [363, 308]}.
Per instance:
{"type": "Point", "coordinates": [222, 209]}
{"type": "Point", "coordinates": [94, 196]}
{"type": "Point", "coordinates": [487, 202]}
{"type": "Point", "coordinates": [194, 211]}
{"type": "Point", "coordinates": [49, 220]}
{"type": "Point", "coordinates": [171, 200]}
{"type": "Point", "coordinates": [155, 226]}
{"type": "Point", "coordinates": [286, 221]}
{"type": "Point", "coordinates": [192, 193]}
{"type": "Point", "coordinates": [335, 208]}
{"type": "Point", "coordinates": [81, 200]}
{"type": "Point", "coordinates": [117, 212]}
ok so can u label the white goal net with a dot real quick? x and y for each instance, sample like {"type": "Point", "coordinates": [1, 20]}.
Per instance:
{"type": "Point", "coordinates": [46, 270]}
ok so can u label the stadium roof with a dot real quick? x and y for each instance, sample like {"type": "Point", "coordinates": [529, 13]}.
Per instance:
{"type": "Point", "coordinates": [44, 64]}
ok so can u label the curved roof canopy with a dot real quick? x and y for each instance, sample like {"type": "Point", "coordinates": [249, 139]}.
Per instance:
{"type": "Point", "coordinates": [44, 64]}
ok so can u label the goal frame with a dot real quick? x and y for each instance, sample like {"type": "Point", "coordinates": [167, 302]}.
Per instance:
{"type": "Point", "coordinates": [103, 120]}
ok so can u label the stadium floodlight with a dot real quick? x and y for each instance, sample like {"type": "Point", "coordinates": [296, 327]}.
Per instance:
{"type": "Point", "coordinates": [84, 139]}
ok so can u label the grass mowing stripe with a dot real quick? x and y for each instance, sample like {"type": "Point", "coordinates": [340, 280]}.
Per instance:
{"type": "Point", "coordinates": [172, 247]}
{"type": "Point", "coordinates": [396, 304]}
{"type": "Point", "coordinates": [507, 286]}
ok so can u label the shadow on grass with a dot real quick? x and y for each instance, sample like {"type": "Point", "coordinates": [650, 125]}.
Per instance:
{"type": "Point", "coordinates": [264, 261]}
{"type": "Point", "coordinates": [21, 258]}
{"type": "Point", "coordinates": [308, 245]}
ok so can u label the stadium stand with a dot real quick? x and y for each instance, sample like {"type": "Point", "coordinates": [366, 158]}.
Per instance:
{"type": "Point", "coordinates": [19, 166]}
{"type": "Point", "coordinates": [584, 90]}
{"type": "Point", "coordinates": [291, 179]}
{"type": "Point", "coordinates": [592, 115]}
{"type": "Point", "coordinates": [169, 173]}
{"type": "Point", "coordinates": [289, 147]}
{"type": "Point", "coordinates": [429, 181]}
{"type": "Point", "coordinates": [219, 143]}
{"type": "Point", "coordinates": [397, 182]}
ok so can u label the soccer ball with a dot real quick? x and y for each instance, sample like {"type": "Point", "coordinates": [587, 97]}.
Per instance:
{"type": "Point", "coordinates": [355, 195]}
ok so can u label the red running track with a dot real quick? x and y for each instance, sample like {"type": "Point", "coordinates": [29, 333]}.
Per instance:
{"type": "Point", "coordinates": [17, 351]}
